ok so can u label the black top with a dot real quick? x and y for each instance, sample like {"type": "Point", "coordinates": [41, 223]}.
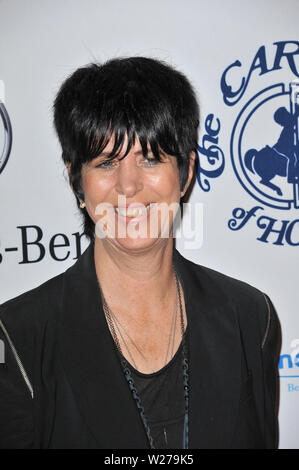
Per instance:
{"type": "Point", "coordinates": [80, 398]}
{"type": "Point", "coordinates": [162, 397]}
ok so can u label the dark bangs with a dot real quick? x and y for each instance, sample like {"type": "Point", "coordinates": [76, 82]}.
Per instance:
{"type": "Point", "coordinates": [125, 100]}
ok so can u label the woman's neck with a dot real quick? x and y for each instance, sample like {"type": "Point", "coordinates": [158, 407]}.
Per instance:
{"type": "Point", "coordinates": [142, 296]}
{"type": "Point", "coordinates": [136, 280]}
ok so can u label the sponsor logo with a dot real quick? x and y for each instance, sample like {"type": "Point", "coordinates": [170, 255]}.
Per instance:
{"type": "Point", "coordinates": [289, 367]}
{"type": "Point", "coordinates": [34, 246]}
{"type": "Point", "coordinates": [264, 143]}
{"type": "Point", "coordinates": [5, 131]}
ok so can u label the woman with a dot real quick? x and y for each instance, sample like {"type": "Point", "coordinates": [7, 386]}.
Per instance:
{"type": "Point", "coordinates": [134, 346]}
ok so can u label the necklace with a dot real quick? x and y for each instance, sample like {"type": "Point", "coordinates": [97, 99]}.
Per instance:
{"type": "Point", "coordinates": [127, 372]}
{"type": "Point", "coordinates": [112, 319]}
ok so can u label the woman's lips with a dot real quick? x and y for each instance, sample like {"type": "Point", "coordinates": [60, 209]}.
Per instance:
{"type": "Point", "coordinates": [134, 212]}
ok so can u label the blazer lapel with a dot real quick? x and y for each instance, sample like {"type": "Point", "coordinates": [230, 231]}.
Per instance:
{"type": "Point", "coordinates": [91, 363]}
{"type": "Point", "coordinates": [214, 358]}
{"type": "Point", "coordinates": [93, 368]}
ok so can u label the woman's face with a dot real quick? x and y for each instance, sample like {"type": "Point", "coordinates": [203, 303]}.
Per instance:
{"type": "Point", "coordinates": [132, 201]}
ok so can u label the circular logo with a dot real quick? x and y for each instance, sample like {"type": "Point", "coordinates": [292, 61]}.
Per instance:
{"type": "Point", "coordinates": [265, 148]}
{"type": "Point", "coordinates": [5, 136]}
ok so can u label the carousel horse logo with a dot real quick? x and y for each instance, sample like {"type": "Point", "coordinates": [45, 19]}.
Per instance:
{"type": "Point", "coordinates": [269, 171]}
{"type": "Point", "coordinates": [263, 144]}
{"type": "Point", "coordinates": [5, 132]}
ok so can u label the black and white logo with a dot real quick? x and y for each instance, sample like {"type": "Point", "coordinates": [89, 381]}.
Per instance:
{"type": "Point", "coordinates": [5, 131]}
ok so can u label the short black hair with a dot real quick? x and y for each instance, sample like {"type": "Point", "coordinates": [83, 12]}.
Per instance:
{"type": "Point", "coordinates": [125, 97]}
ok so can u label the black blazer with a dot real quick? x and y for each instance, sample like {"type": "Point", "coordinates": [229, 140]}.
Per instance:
{"type": "Point", "coordinates": [71, 392]}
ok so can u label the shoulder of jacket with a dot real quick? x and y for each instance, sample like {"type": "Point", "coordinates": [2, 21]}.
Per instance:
{"type": "Point", "coordinates": [252, 305]}
{"type": "Point", "coordinates": [27, 324]}
{"type": "Point", "coordinates": [35, 306]}
{"type": "Point", "coordinates": [230, 286]}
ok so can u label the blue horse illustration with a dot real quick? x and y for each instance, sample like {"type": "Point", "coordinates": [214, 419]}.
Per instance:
{"type": "Point", "coordinates": [282, 158]}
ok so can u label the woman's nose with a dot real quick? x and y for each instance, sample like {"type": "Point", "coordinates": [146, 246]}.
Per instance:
{"type": "Point", "coordinates": [129, 180]}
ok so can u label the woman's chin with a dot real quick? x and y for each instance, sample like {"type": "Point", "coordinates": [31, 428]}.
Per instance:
{"type": "Point", "coordinates": [134, 237]}
{"type": "Point", "coordinates": [136, 244]}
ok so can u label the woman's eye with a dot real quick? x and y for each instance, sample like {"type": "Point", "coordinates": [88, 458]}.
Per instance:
{"type": "Point", "coordinates": [106, 165]}
{"type": "Point", "coordinates": [150, 162]}
{"type": "Point", "coordinates": [110, 164]}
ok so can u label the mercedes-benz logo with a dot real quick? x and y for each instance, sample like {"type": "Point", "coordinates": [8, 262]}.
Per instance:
{"type": "Point", "coordinates": [6, 140]}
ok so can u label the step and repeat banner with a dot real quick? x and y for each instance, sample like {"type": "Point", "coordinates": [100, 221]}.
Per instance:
{"type": "Point", "coordinates": [242, 57]}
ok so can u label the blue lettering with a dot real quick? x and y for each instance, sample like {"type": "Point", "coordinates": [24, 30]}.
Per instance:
{"type": "Point", "coordinates": [289, 233]}
{"type": "Point", "coordinates": [280, 53]}
{"type": "Point", "coordinates": [227, 90]}
{"type": "Point", "coordinates": [243, 216]}
{"type": "Point", "coordinates": [289, 361]}
{"type": "Point", "coordinates": [212, 165]}
{"type": "Point", "coordinates": [293, 388]}
{"type": "Point", "coordinates": [259, 63]}
{"type": "Point", "coordinates": [267, 223]}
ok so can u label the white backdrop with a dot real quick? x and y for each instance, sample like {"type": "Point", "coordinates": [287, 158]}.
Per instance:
{"type": "Point", "coordinates": [43, 41]}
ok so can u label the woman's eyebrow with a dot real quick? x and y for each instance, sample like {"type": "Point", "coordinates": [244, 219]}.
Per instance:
{"type": "Point", "coordinates": [138, 152]}
{"type": "Point", "coordinates": [104, 154]}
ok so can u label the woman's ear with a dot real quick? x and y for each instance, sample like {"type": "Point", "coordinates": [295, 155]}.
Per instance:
{"type": "Point", "coordinates": [190, 172]}
{"type": "Point", "coordinates": [79, 199]}
{"type": "Point", "coordinates": [68, 168]}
